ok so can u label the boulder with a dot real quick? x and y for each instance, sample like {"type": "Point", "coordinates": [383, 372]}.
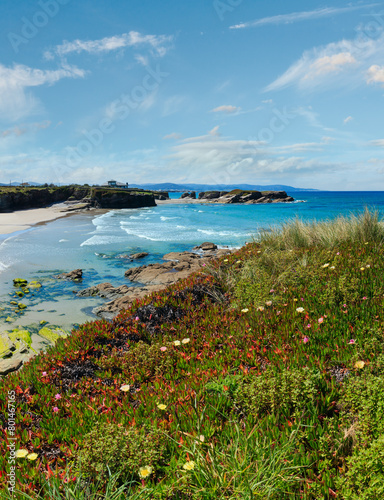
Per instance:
{"type": "Point", "coordinates": [75, 275]}
{"type": "Point", "coordinates": [206, 246]}
{"type": "Point", "coordinates": [139, 255]}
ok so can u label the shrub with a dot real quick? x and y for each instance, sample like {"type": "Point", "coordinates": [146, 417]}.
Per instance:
{"type": "Point", "coordinates": [364, 479]}
{"type": "Point", "coordinates": [278, 392]}
{"type": "Point", "coordinates": [110, 448]}
{"type": "Point", "coordinates": [364, 398]}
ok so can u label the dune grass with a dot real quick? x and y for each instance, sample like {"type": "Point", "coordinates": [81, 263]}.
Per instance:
{"type": "Point", "coordinates": [260, 378]}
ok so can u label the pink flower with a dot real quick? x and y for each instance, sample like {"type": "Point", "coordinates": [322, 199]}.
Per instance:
{"type": "Point", "coordinates": [338, 253]}
{"type": "Point", "coordinates": [302, 299]}
{"type": "Point", "coordinates": [309, 325]}
{"type": "Point", "coordinates": [55, 409]}
{"type": "Point", "coordinates": [204, 265]}
{"type": "Point", "coordinates": [163, 349]}
{"type": "Point", "coordinates": [320, 320]}
{"type": "Point", "coordinates": [137, 318]}
{"type": "Point", "coordinates": [344, 305]}
{"type": "Point", "coordinates": [44, 374]}
{"type": "Point", "coordinates": [57, 396]}
{"type": "Point", "coordinates": [305, 340]}
{"type": "Point", "coordinates": [352, 341]}
{"type": "Point", "coordinates": [271, 290]}
{"type": "Point", "coordinates": [364, 298]}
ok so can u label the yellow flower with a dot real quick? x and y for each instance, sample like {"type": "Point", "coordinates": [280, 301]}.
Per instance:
{"type": "Point", "coordinates": [366, 243]}
{"type": "Point", "coordinates": [225, 260]}
{"type": "Point", "coordinates": [21, 453]}
{"type": "Point", "coordinates": [244, 310]}
{"type": "Point", "coordinates": [359, 364]}
{"type": "Point", "coordinates": [295, 300]}
{"type": "Point", "coordinates": [300, 309]}
{"type": "Point", "coordinates": [362, 268]}
{"type": "Point", "coordinates": [32, 456]}
{"type": "Point", "coordinates": [189, 465]}
{"type": "Point", "coordinates": [325, 265]}
{"type": "Point", "coordinates": [260, 308]}
{"type": "Point", "coordinates": [259, 251]}
{"type": "Point", "coordinates": [176, 342]}
{"type": "Point", "coordinates": [125, 388]}
{"type": "Point", "coordinates": [332, 267]}
{"type": "Point", "coordinates": [238, 262]}
{"type": "Point", "coordinates": [145, 471]}
{"type": "Point", "coordinates": [185, 341]}
{"type": "Point", "coordinates": [162, 407]}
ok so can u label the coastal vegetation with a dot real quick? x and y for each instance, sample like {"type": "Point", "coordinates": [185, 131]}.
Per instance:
{"type": "Point", "coordinates": [261, 376]}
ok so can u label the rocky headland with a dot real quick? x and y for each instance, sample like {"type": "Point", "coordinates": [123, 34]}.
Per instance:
{"type": "Point", "coordinates": [76, 197]}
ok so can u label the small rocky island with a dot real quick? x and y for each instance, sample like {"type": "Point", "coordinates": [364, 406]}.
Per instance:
{"type": "Point", "coordinates": [247, 197]}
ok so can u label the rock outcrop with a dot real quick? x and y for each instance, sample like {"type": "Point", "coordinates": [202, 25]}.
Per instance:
{"type": "Point", "coordinates": [191, 195]}
{"type": "Point", "coordinates": [247, 197]}
{"type": "Point", "coordinates": [153, 277]}
{"type": "Point", "coordinates": [75, 275]}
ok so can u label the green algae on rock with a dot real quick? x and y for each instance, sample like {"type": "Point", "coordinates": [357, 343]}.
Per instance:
{"type": "Point", "coordinates": [52, 334]}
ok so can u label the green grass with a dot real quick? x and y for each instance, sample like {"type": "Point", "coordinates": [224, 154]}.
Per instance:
{"type": "Point", "coordinates": [276, 392]}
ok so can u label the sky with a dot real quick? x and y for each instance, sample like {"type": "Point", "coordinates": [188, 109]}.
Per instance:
{"type": "Point", "coordinates": [202, 91]}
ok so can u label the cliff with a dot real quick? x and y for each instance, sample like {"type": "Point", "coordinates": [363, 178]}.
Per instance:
{"type": "Point", "coordinates": [18, 198]}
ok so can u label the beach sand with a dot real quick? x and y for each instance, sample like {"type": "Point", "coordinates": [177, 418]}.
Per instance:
{"type": "Point", "coordinates": [24, 219]}
{"type": "Point", "coordinates": [179, 201]}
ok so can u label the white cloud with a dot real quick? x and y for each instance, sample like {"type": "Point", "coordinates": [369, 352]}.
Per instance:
{"type": "Point", "coordinates": [375, 74]}
{"type": "Point", "coordinates": [295, 17]}
{"type": "Point", "coordinates": [348, 119]}
{"type": "Point", "coordinates": [15, 101]}
{"type": "Point", "coordinates": [159, 44]}
{"type": "Point", "coordinates": [379, 143]}
{"type": "Point", "coordinates": [299, 147]}
{"type": "Point", "coordinates": [341, 63]}
{"type": "Point", "coordinates": [24, 129]}
{"type": "Point", "coordinates": [226, 109]}
{"type": "Point", "coordinates": [215, 131]}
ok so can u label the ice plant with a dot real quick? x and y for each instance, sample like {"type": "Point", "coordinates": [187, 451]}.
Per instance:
{"type": "Point", "coordinates": [162, 407]}
{"type": "Point", "coordinates": [359, 364]}
{"type": "Point", "coordinates": [352, 341]}
{"type": "Point", "coordinates": [268, 303]}
{"type": "Point", "coordinates": [55, 409]}
{"type": "Point", "coordinates": [21, 453]}
{"type": "Point", "coordinates": [189, 465]}
{"type": "Point", "coordinates": [325, 265]}
{"type": "Point", "coordinates": [32, 456]}
{"type": "Point", "coordinates": [244, 310]}
{"type": "Point", "coordinates": [125, 388]}
{"type": "Point", "coordinates": [185, 341]}
{"type": "Point", "coordinates": [176, 342]}
{"type": "Point", "coordinates": [145, 471]}
{"type": "Point", "coordinates": [300, 309]}
{"type": "Point", "coordinates": [320, 320]}
{"type": "Point", "coordinates": [57, 396]}
{"type": "Point", "coordinates": [163, 348]}
{"type": "Point", "coordinates": [260, 308]}
{"type": "Point", "coordinates": [305, 340]}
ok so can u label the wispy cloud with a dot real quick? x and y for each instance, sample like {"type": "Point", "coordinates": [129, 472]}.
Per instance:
{"type": "Point", "coordinates": [174, 136]}
{"type": "Point", "coordinates": [378, 143]}
{"type": "Point", "coordinates": [159, 45]}
{"type": "Point", "coordinates": [348, 119]}
{"type": "Point", "coordinates": [24, 129]}
{"type": "Point", "coordinates": [15, 100]}
{"type": "Point", "coordinates": [228, 109]}
{"type": "Point", "coordinates": [296, 17]}
{"type": "Point", "coordinates": [347, 62]}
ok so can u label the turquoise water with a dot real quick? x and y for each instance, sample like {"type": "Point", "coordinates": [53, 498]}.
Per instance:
{"type": "Point", "coordinates": [100, 243]}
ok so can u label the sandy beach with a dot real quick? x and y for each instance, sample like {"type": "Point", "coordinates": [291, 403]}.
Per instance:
{"type": "Point", "coordinates": [24, 219]}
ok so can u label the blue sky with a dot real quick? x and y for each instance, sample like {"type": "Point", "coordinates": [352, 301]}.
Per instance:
{"type": "Point", "coordinates": [213, 91]}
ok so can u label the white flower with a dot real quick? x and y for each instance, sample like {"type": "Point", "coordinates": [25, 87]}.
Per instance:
{"type": "Point", "coordinates": [176, 342]}
{"type": "Point", "coordinates": [325, 265]}
{"type": "Point", "coordinates": [300, 309]}
{"type": "Point", "coordinates": [244, 310]}
{"type": "Point", "coordinates": [189, 465]}
{"type": "Point", "coordinates": [185, 341]}
{"type": "Point", "coordinates": [125, 388]}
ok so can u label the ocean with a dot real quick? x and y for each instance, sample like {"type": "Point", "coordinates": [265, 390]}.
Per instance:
{"type": "Point", "coordinates": [100, 243]}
